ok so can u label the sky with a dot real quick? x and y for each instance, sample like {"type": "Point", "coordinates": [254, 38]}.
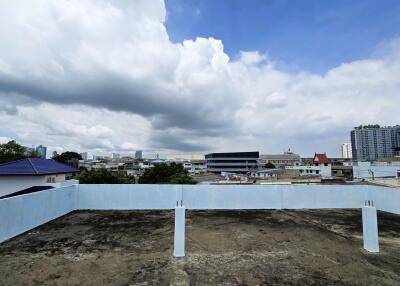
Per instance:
{"type": "Point", "coordinates": [196, 76]}
{"type": "Point", "coordinates": [304, 35]}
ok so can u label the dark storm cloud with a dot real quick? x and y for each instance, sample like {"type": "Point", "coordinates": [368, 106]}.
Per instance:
{"type": "Point", "coordinates": [117, 93]}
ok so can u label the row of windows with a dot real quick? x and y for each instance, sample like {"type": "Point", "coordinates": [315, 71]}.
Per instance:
{"type": "Point", "coordinates": [232, 161]}
{"type": "Point", "coordinates": [230, 167]}
{"type": "Point", "coordinates": [234, 155]}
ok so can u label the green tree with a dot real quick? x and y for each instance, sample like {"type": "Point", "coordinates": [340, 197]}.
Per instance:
{"type": "Point", "coordinates": [103, 176]}
{"type": "Point", "coordinates": [270, 165]}
{"type": "Point", "coordinates": [368, 126]}
{"type": "Point", "coordinates": [66, 157]}
{"type": "Point", "coordinates": [12, 151]}
{"type": "Point", "coordinates": [166, 174]}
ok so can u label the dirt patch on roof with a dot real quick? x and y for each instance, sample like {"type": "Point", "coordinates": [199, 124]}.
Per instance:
{"type": "Point", "coordinates": [313, 247]}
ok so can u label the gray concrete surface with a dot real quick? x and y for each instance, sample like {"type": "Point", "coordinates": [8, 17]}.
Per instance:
{"type": "Point", "coordinates": [312, 247]}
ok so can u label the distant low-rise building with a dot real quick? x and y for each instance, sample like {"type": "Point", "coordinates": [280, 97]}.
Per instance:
{"type": "Point", "coordinates": [233, 162]}
{"type": "Point", "coordinates": [197, 167]}
{"type": "Point", "coordinates": [342, 171]}
{"type": "Point", "coordinates": [266, 174]}
{"type": "Point", "coordinates": [320, 166]}
{"type": "Point", "coordinates": [374, 170]}
{"type": "Point", "coordinates": [288, 158]}
{"type": "Point", "coordinates": [27, 173]}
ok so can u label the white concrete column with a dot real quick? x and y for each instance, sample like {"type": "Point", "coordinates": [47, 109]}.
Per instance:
{"type": "Point", "coordinates": [370, 227]}
{"type": "Point", "coordinates": [179, 234]}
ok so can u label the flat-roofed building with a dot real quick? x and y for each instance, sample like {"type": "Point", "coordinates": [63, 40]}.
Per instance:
{"type": "Point", "coordinates": [321, 166]}
{"type": "Point", "coordinates": [198, 167]}
{"type": "Point", "coordinates": [368, 170]}
{"type": "Point", "coordinates": [288, 158]}
{"type": "Point", "coordinates": [232, 162]}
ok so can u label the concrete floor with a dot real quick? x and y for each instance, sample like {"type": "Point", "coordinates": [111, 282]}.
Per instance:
{"type": "Point", "coordinates": [319, 247]}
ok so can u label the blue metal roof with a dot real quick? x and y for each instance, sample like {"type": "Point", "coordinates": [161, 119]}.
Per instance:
{"type": "Point", "coordinates": [33, 166]}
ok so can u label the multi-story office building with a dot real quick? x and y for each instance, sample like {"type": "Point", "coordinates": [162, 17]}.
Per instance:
{"type": "Point", "coordinates": [41, 151]}
{"type": "Point", "coordinates": [115, 156]}
{"type": "Point", "coordinates": [235, 162]}
{"type": "Point", "coordinates": [139, 154]}
{"type": "Point", "coordinates": [346, 151]}
{"type": "Point", "coordinates": [370, 143]}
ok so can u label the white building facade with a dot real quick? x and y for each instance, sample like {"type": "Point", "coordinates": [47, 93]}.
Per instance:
{"type": "Point", "coordinates": [375, 170]}
{"type": "Point", "coordinates": [346, 151]}
{"type": "Point", "coordinates": [321, 166]}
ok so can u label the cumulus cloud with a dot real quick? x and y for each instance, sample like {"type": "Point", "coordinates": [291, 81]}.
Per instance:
{"type": "Point", "coordinates": [103, 75]}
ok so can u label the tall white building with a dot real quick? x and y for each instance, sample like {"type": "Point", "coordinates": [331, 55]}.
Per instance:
{"type": "Point", "coordinates": [84, 156]}
{"type": "Point", "coordinates": [116, 156]}
{"type": "Point", "coordinates": [346, 151]}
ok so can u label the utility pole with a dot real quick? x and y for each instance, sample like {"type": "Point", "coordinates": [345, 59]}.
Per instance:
{"type": "Point", "coordinates": [372, 174]}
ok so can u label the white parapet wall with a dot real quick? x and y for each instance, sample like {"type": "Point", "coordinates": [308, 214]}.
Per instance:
{"type": "Point", "coordinates": [127, 197]}
{"type": "Point", "coordinates": [227, 196]}
{"type": "Point", "coordinates": [368, 170]}
{"type": "Point", "coordinates": [21, 213]}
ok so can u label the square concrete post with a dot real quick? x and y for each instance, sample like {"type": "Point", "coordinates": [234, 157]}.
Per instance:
{"type": "Point", "coordinates": [179, 234]}
{"type": "Point", "coordinates": [370, 227]}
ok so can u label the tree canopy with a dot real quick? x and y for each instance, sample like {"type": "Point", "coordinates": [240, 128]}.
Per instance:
{"type": "Point", "coordinates": [103, 176]}
{"type": "Point", "coordinates": [67, 156]}
{"type": "Point", "coordinates": [12, 151]}
{"type": "Point", "coordinates": [368, 126]}
{"type": "Point", "coordinates": [166, 174]}
{"type": "Point", "coordinates": [270, 165]}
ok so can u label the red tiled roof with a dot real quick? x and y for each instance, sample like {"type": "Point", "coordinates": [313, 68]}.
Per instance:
{"type": "Point", "coordinates": [321, 159]}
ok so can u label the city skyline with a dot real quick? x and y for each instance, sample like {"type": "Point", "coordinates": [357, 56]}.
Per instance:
{"type": "Point", "coordinates": [130, 76]}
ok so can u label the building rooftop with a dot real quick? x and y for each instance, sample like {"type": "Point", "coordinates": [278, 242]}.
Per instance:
{"type": "Point", "coordinates": [280, 156]}
{"type": "Point", "coordinates": [34, 166]}
{"type": "Point", "coordinates": [321, 158]}
{"type": "Point", "coordinates": [270, 247]}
